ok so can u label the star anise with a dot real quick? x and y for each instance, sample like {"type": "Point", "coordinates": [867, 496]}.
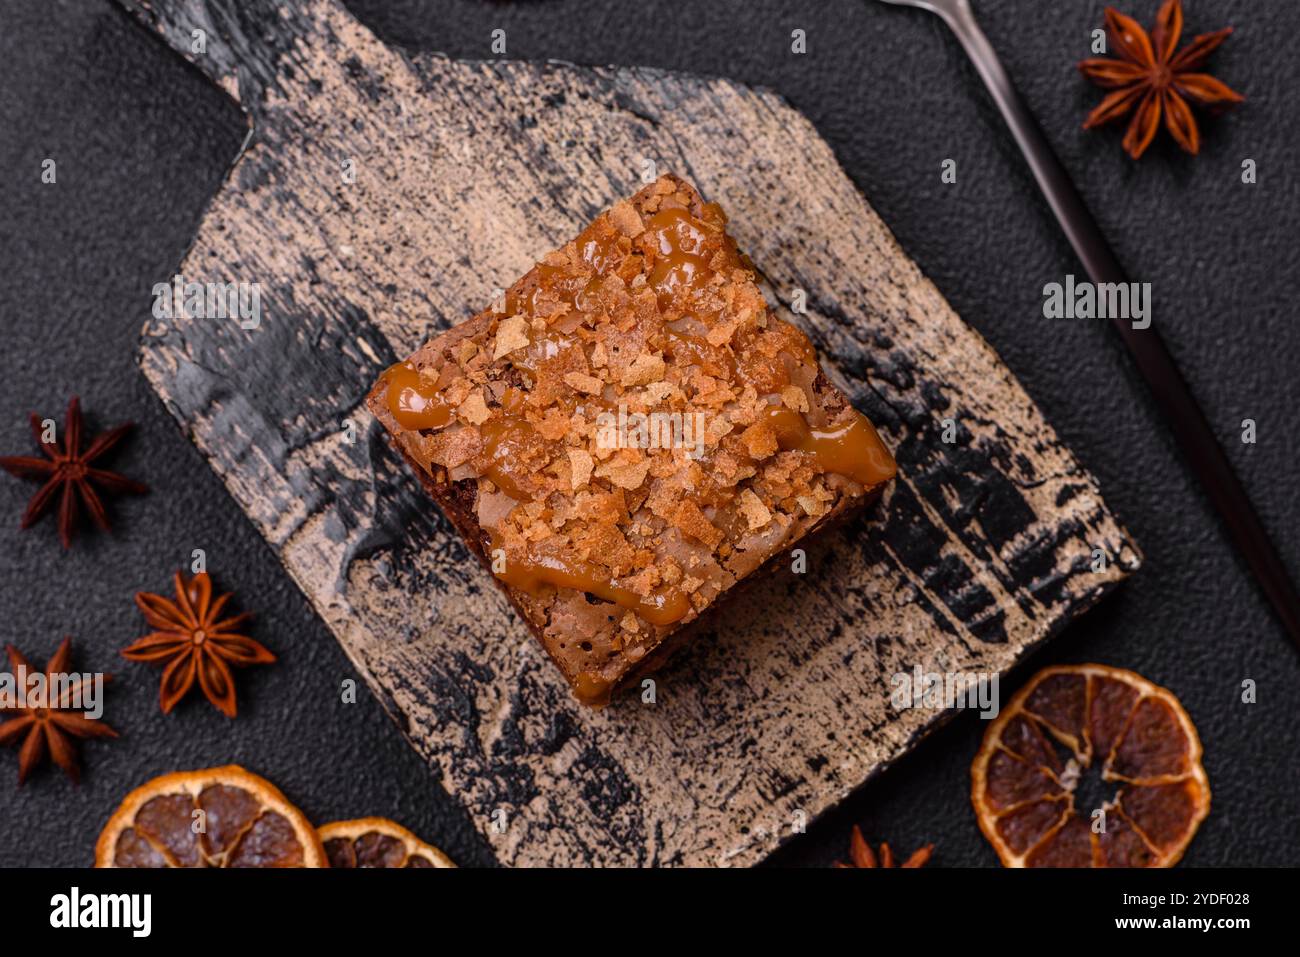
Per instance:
{"type": "Point", "coordinates": [861, 854]}
{"type": "Point", "coordinates": [54, 723]}
{"type": "Point", "coordinates": [195, 643]}
{"type": "Point", "coordinates": [67, 473]}
{"type": "Point", "coordinates": [1152, 81]}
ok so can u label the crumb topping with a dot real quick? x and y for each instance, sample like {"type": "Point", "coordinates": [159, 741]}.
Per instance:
{"type": "Point", "coordinates": [641, 427]}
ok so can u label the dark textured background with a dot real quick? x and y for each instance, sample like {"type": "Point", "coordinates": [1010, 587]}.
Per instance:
{"type": "Point", "coordinates": [142, 142]}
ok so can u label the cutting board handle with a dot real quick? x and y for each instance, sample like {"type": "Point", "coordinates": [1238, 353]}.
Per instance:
{"type": "Point", "coordinates": [241, 45]}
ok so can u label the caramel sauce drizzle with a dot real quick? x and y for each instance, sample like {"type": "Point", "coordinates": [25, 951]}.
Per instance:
{"type": "Point", "coordinates": [593, 688]}
{"type": "Point", "coordinates": [663, 606]}
{"type": "Point", "coordinates": [680, 265]}
{"type": "Point", "coordinates": [506, 441]}
{"type": "Point", "coordinates": [414, 402]}
{"type": "Point", "coordinates": [853, 450]}
{"type": "Point", "coordinates": [688, 349]}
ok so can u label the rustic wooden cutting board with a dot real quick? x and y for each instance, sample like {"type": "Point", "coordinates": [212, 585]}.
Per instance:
{"type": "Point", "coordinates": [463, 173]}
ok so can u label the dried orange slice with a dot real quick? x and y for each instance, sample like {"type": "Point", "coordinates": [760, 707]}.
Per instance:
{"type": "Point", "coordinates": [378, 842]}
{"type": "Point", "coordinates": [221, 817]}
{"type": "Point", "coordinates": [1025, 778]}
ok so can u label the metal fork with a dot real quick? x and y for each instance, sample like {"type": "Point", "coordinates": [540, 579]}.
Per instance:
{"type": "Point", "coordinates": [1195, 437]}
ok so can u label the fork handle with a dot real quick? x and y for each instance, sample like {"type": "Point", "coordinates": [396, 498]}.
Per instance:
{"type": "Point", "coordinates": [1080, 228]}
{"type": "Point", "coordinates": [1194, 436]}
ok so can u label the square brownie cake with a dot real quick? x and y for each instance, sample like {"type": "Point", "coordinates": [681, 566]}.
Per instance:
{"type": "Point", "coordinates": [629, 435]}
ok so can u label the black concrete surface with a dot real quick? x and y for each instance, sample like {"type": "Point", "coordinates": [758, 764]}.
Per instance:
{"type": "Point", "coordinates": [141, 142]}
